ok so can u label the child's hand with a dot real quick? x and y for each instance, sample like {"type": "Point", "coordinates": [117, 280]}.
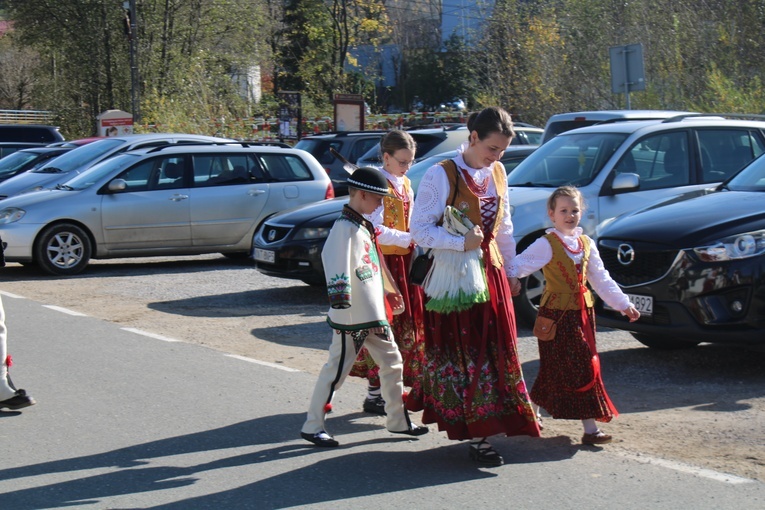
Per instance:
{"type": "Point", "coordinates": [515, 285]}
{"type": "Point", "coordinates": [396, 302]}
{"type": "Point", "coordinates": [632, 313]}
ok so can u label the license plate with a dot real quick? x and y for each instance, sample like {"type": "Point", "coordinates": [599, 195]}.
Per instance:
{"type": "Point", "coordinates": [644, 304]}
{"type": "Point", "coordinates": [264, 256]}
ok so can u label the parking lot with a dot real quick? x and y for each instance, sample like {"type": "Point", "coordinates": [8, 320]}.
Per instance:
{"type": "Point", "coordinates": [703, 407]}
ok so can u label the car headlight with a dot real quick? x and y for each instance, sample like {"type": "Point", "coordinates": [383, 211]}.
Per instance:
{"type": "Point", "coordinates": [312, 233]}
{"type": "Point", "coordinates": [11, 215]}
{"type": "Point", "coordinates": [740, 246]}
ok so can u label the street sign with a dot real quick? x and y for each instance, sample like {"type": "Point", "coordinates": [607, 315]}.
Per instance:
{"type": "Point", "coordinates": [627, 72]}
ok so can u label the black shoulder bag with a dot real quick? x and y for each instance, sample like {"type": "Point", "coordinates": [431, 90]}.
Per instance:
{"type": "Point", "coordinates": [422, 263]}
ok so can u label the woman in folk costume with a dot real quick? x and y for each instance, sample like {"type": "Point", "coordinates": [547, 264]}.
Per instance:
{"type": "Point", "coordinates": [391, 221]}
{"type": "Point", "coordinates": [569, 384]}
{"type": "Point", "coordinates": [471, 383]}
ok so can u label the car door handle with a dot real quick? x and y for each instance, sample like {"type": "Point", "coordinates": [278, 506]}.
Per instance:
{"type": "Point", "coordinates": [256, 191]}
{"type": "Point", "coordinates": [178, 197]}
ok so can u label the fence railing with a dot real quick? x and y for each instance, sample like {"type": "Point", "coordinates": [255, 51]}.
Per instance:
{"type": "Point", "coordinates": [25, 117]}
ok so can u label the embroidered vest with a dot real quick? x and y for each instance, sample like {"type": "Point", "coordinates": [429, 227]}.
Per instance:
{"type": "Point", "coordinates": [394, 216]}
{"type": "Point", "coordinates": [562, 279]}
{"type": "Point", "coordinates": [469, 204]}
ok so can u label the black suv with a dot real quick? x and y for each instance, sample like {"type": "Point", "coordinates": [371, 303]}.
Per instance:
{"type": "Point", "coordinates": [32, 133]}
{"type": "Point", "coordinates": [350, 144]}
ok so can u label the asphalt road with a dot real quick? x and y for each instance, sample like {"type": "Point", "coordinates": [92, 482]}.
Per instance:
{"type": "Point", "coordinates": [125, 420]}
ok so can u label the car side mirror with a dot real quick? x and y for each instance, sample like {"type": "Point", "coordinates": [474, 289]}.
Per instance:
{"type": "Point", "coordinates": [625, 182]}
{"type": "Point", "coordinates": [118, 185]}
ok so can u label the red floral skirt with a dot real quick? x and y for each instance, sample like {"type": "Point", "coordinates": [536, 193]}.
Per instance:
{"type": "Point", "coordinates": [408, 329]}
{"type": "Point", "coordinates": [565, 365]}
{"type": "Point", "coordinates": [471, 383]}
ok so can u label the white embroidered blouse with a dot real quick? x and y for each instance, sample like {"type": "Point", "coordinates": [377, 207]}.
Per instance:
{"type": "Point", "coordinates": [536, 256]}
{"type": "Point", "coordinates": [432, 196]}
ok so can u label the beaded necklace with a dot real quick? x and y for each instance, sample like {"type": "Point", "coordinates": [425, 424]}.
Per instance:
{"type": "Point", "coordinates": [478, 190]}
{"type": "Point", "coordinates": [565, 246]}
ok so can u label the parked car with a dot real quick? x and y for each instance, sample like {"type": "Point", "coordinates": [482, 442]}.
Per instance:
{"type": "Point", "coordinates": [350, 144]}
{"type": "Point", "coordinates": [562, 122]}
{"type": "Point", "coordinates": [64, 168]}
{"type": "Point", "coordinates": [526, 134]}
{"type": "Point", "coordinates": [695, 266]}
{"type": "Point", "coordinates": [33, 133]}
{"type": "Point", "coordinates": [454, 104]}
{"type": "Point", "coordinates": [175, 199]}
{"type": "Point", "coordinates": [28, 159]}
{"type": "Point", "coordinates": [429, 142]}
{"type": "Point", "coordinates": [289, 244]}
{"type": "Point", "coordinates": [621, 167]}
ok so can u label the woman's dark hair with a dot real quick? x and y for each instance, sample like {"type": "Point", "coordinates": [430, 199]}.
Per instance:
{"type": "Point", "coordinates": [491, 120]}
{"type": "Point", "coordinates": [395, 140]}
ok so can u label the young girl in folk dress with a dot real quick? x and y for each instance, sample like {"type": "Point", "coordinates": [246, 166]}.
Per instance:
{"type": "Point", "coordinates": [471, 383]}
{"type": "Point", "coordinates": [569, 385]}
{"type": "Point", "coordinates": [391, 221]}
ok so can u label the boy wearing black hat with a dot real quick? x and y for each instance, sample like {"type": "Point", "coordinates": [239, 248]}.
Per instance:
{"type": "Point", "coordinates": [359, 293]}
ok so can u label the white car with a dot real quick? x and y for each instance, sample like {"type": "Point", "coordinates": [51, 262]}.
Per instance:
{"type": "Point", "coordinates": [168, 200]}
{"type": "Point", "coordinates": [621, 167]}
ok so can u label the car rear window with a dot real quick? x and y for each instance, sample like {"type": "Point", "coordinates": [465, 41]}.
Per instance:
{"type": "Point", "coordinates": [284, 167]}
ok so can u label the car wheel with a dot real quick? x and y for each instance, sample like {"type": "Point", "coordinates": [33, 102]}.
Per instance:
{"type": "Point", "coordinates": [663, 342]}
{"type": "Point", "coordinates": [527, 302]}
{"type": "Point", "coordinates": [63, 249]}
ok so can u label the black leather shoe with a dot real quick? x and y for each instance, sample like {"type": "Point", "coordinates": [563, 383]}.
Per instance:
{"type": "Point", "coordinates": [414, 430]}
{"type": "Point", "coordinates": [374, 405]}
{"type": "Point", "coordinates": [18, 401]}
{"type": "Point", "coordinates": [320, 439]}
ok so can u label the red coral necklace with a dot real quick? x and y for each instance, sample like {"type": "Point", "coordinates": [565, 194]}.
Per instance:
{"type": "Point", "coordinates": [577, 251]}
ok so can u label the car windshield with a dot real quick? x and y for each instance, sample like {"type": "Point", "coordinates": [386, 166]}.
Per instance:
{"type": "Point", "coordinates": [99, 171]}
{"type": "Point", "coordinates": [417, 171]}
{"type": "Point", "coordinates": [567, 159]}
{"type": "Point", "coordinates": [76, 158]}
{"type": "Point", "coordinates": [751, 178]}
{"type": "Point", "coordinates": [11, 163]}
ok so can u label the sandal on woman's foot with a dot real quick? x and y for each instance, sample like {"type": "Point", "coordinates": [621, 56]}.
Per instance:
{"type": "Point", "coordinates": [483, 453]}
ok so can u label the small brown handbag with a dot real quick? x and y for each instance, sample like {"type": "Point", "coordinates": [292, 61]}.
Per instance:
{"type": "Point", "coordinates": [545, 328]}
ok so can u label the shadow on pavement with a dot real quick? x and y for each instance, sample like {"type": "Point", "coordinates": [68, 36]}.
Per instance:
{"type": "Point", "coordinates": [349, 471]}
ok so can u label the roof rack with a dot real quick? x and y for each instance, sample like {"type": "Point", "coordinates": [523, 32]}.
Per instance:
{"type": "Point", "coordinates": [744, 116]}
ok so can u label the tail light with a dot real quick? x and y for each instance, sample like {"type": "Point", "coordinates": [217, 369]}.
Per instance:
{"type": "Point", "coordinates": [330, 192]}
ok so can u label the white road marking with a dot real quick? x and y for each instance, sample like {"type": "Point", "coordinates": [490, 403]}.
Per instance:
{"type": "Point", "coordinates": [65, 310]}
{"type": "Point", "coordinates": [687, 468]}
{"type": "Point", "coordinates": [265, 363]}
{"type": "Point", "coordinates": [151, 335]}
{"type": "Point", "coordinates": [8, 294]}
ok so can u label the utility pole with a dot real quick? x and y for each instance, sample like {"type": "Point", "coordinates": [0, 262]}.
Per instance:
{"type": "Point", "coordinates": [132, 33]}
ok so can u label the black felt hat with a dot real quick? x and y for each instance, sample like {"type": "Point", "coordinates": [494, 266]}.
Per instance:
{"type": "Point", "coordinates": [369, 179]}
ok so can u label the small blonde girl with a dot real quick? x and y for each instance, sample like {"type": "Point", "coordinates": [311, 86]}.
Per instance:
{"type": "Point", "coordinates": [569, 383]}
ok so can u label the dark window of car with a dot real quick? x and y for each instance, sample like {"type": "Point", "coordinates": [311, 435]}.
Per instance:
{"type": "Point", "coordinates": [661, 161]}
{"type": "Point", "coordinates": [154, 174]}
{"type": "Point", "coordinates": [361, 147]}
{"type": "Point", "coordinates": [284, 167]}
{"type": "Point", "coordinates": [319, 149]}
{"type": "Point", "coordinates": [225, 169]}
{"type": "Point", "coordinates": [726, 151]}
